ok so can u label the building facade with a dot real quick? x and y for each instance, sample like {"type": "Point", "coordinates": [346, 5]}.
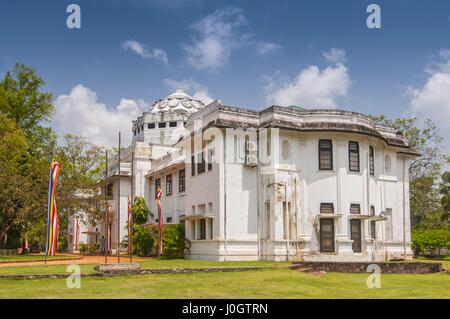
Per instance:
{"type": "Point", "coordinates": [283, 183]}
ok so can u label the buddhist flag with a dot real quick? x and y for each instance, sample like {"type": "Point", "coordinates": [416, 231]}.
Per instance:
{"type": "Point", "coordinates": [160, 219]}
{"type": "Point", "coordinates": [52, 215]}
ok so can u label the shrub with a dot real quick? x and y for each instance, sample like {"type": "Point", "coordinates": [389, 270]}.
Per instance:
{"type": "Point", "coordinates": [83, 248]}
{"type": "Point", "coordinates": [143, 240]}
{"type": "Point", "coordinates": [173, 240]}
{"type": "Point", "coordinates": [93, 249]}
{"type": "Point", "coordinates": [430, 241]}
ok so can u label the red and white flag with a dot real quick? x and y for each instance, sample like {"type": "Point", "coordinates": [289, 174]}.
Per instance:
{"type": "Point", "coordinates": [160, 220]}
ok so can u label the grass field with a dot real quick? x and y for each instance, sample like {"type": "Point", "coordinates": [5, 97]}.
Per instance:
{"type": "Point", "coordinates": [35, 257]}
{"type": "Point", "coordinates": [278, 282]}
{"type": "Point", "coordinates": [270, 283]}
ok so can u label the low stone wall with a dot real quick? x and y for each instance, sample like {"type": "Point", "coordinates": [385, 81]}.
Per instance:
{"type": "Point", "coordinates": [361, 267]}
{"type": "Point", "coordinates": [7, 252]}
{"type": "Point", "coordinates": [138, 272]}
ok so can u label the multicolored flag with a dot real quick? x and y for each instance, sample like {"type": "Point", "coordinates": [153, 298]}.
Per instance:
{"type": "Point", "coordinates": [52, 216]}
{"type": "Point", "coordinates": [160, 220]}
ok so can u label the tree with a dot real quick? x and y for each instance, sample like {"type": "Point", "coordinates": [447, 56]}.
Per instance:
{"type": "Point", "coordinates": [143, 237]}
{"type": "Point", "coordinates": [444, 190]}
{"type": "Point", "coordinates": [24, 108]}
{"type": "Point", "coordinates": [424, 171]}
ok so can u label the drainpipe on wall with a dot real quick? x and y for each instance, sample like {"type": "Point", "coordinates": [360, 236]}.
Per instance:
{"type": "Point", "coordinates": [225, 197]}
{"type": "Point", "coordinates": [258, 213]}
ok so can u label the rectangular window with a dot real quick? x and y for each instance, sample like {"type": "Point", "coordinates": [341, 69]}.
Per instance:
{"type": "Point", "coordinates": [326, 208]}
{"type": "Point", "coordinates": [371, 161]}
{"type": "Point", "coordinates": [373, 231]}
{"type": "Point", "coordinates": [325, 155]}
{"type": "Point", "coordinates": [202, 228]}
{"type": "Point", "coordinates": [182, 181]}
{"type": "Point", "coordinates": [355, 209]}
{"type": "Point", "coordinates": [211, 227]}
{"type": "Point", "coordinates": [109, 191]}
{"type": "Point", "coordinates": [169, 184]}
{"type": "Point", "coordinates": [200, 163]}
{"type": "Point", "coordinates": [182, 221]}
{"type": "Point", "coordinates": [162, 125]}
{"type": "Point", "coordinates": [192, 165]}
{"type": "Point", "coordinates": [353, 156]}
{"type": "Point", "coordinates": [168, 220]}
{"type": "Point", "coordinates": [355, 235]}
{"type": "Point", "coordinates": [172, 124]}
{"type": "Point", "coordinates": [372, 210]}
{"type": "Point", "coordinates": [327, 235]}
{"type": "Point", "coordinates": [210, 156]}
{"type": "Point", "coordinates": [157, 185]}
{"type": "Point", "coordinates": [193, 235]}
{"type": "Point", "coordinates": [151, 125]}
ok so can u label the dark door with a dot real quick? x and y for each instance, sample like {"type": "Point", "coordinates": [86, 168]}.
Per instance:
{"type": "Point", "coordinates": [355, 225]}
{"type": "Point", "coordinates": [327, 235]}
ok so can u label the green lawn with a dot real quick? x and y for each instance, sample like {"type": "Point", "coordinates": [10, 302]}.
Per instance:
{"type": "Point", "coordinates": [269, 283]}
{"type": "Point", "coordinates": [36, 257]}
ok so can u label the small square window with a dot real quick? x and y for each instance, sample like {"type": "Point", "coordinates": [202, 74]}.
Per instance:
{"type": "Point", "coordinates": [162, 125]}
{"type": "Point", "coordinates": [172, 124]}
{"type": "Point", "coordinates": [326, 208]}
{"type": "Point", "coordinates": [151, 125]}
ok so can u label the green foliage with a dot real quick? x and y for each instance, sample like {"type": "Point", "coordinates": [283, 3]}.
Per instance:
{"type": "Point", "coordinates": [427, 209]}
{"type": "Point", "coordinates": [173, 240]}
{"type": "Point", "coordinates": [143, 237]}
{"type": "Point", "coordinates": [444, 190]}
{"type": "Point", "coordinates": [93, 249]}
{"type": "Point", "coordinates": [83, 248]}
{"type": "Point", "coordinates": [430, 241]}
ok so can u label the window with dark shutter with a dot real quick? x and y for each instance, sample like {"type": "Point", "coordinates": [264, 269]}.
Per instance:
{"type": "Point", "coordinates": [192, 165]}
{"type": "Point", "coordinates": [327, 235]}
{"type": "Point", "coordinates": [200, 163]}
{"type": "Point", "coordinates": [151, 125]}
{"type": "Point", "coordinates": [210, 156]}
{"type": "Point", "coordinates": [169, 184]}
{"type": "Point", "coordinates": [326, 208]}
{"type": "Point", "coordinates": [371, 161]}
{"type": "Point", "coordinates": [157, 184]}
{"type": "Point", "coordinates": [353, 156]}
{"type": "Point", "coordinates": [372, 210]}
{"type": "Point", "coordinates": [355, 235]}
{"type": "Point", "coordinates": [373, 233]}
{"type": "Point", "coordinates": [162, 125]}
{"type": "Point", "coordinates": [182, 181]}
{"type": "Point", "coordinates": [172, 124]}
{"type": "Point", "coordinates": [355, 209]}
{"type": "Point", "coordinates": [325, 155]}
{"type": "Point", "coordinates": [203, 228]}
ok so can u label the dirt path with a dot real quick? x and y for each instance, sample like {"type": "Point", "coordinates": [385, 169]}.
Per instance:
{"type": "Point", "coordinates": [76, 260]}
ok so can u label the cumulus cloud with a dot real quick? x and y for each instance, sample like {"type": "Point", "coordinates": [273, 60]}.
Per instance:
{"type": "Point", "coordinates": [217, 35]}
{"type": "Point", "coordinates": [198, 91]}
{"type": "Point", "coordinates": [433, 99]}
{"type": "Point", "coordinates": [335, 55]}
{"type": "Point", "coordinates": [80, 113]}
{"type": "Point", "coordinates": [145, 52]}
{"type": "Point", "coordinates": [311, 88]}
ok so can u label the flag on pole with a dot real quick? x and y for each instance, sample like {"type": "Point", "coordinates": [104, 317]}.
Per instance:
{"type": "Point", "coordinates": [160, 220]}
{"type": "Point", "coordinates": [52, 215]}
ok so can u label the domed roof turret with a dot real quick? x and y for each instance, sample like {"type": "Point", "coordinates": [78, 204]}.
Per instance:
{"type": "Point", "coordinates": [176, 101]}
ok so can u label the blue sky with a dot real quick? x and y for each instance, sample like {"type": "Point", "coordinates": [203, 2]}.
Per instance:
{"type": "Point", "coordinates": [247, 53]}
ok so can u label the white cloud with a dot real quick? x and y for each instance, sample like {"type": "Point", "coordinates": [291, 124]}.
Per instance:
{"type": "Point", "coordinates": [198, 91]}
{"type": "Point", "coordinates": [144, 51]}
{"type": "Point", "coordinates": [217, 35]}
{"type": "Point", "coordinates": [311, 88]}
{"type": "Point", "coordinates": [80, 113]}
{"type": "Point", "coordinates": [335, 55]}
{"type": "Point", "coordinates": [263, 48]}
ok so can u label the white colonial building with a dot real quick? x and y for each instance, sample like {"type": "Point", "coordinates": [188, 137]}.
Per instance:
{"type": "Point", "coordinates": [283, 183]}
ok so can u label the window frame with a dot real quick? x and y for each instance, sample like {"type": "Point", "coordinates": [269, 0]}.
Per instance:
{"type": "Point", "coordinates": [323, 150]}
{"type": "Point", "coordinates": [356, 236]}
{"type": "Point", "coordinates": [182, 180]}
{"type": "Point", "coordinates": [202, 226]}
{"type": "Point", "coordinates": [351, 160]}
{"type": "Point", "coordinates": [169, 184]}
{"type": "Point", "coordinates": [353, 206]}
{"type": "Point", "coordinates": [323, 209]}
{"type": "Point", "coordinates": [371, 160]}
{"type": "Point", "coordinates": [332, 247]}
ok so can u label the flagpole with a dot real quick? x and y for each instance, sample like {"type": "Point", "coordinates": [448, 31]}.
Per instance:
{"type": "Point", "coordinates": [106, 210]}
{"type": "Point", "coordinates": [130, 222]}
{"type": "Point", "coordinates": [118, 209]}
